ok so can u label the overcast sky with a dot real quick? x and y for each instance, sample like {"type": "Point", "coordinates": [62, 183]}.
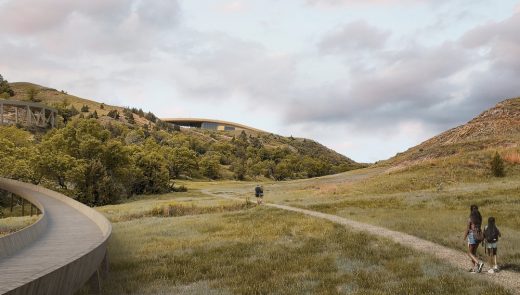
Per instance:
{"type": "Point", "coordinates": [367, 78]}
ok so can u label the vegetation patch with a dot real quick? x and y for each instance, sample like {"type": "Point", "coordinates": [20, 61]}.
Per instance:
{"type": "Point", "coordinates": [265, 251]}
{"type": "Point", "coordinates": [10, 225]}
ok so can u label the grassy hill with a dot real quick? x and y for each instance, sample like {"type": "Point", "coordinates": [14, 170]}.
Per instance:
{"type": "Point", "coordinates": [301, 146]}
{"type": "Point", "coordinates": [497, 128]}
{"type": "Point", "coordinates": [55, 98]}
{"type": "Point", "coordinates": [102, 152]}
{"type": "Point", "coordinates": [463, 153]}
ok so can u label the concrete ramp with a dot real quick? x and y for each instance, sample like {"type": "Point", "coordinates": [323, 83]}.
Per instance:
{"type": "Point", "coordinates": [59, 253]}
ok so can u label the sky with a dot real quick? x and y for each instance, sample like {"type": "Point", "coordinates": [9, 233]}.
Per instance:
{"type": "Point", "coordinates": [367, 78]}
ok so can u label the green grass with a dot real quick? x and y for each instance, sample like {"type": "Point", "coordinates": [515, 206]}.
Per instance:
{"type": "Point", "coordinates": [264, 251]}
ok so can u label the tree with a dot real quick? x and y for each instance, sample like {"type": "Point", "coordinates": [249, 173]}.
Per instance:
{"type": "Point", "coordinates": [114, 114]}
{"type": "Point", "coordinates": [129, 116]}
{"type": "Point", "coordinates": [83, 155]}
{"type": "Point", "coordinates": [239, 170]}
{"type": "Point", "coordinates": [18, 152]}
{"type": "Point", "coordinates": [282, 171]}
{"type": "Point", "coordinates": [135, 137]}
{"type": "Point", "coordinates": [32, 95]}
{"type": "Point", "coordinates": [181, 160]}
{"type": "Point", "coordinates": [65, 111]}
{"type": "Point", "coordinates": [209, 166]}
{"type": "Point", "coordinates": [155, 177]}
{"type": "Point", "coordinates": [497, 165]}
{"type": "Point", "coordinates": [85, 108]}
{"type": "Point", "coordinates": [150, 117]}
{"type": "Point", "coordinates": [5, 88]}
{"type": "Point", "coordinates": [56, 166]}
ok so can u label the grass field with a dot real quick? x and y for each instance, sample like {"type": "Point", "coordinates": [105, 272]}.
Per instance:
{"type": "Point", "coordinates": [11, 224]}
{"type": "Point", "coordinates": [436, 213]}
{"type": "Point", "coordinates": [11, 221]}
{"type": "Point", "coordinates": [259, 250]}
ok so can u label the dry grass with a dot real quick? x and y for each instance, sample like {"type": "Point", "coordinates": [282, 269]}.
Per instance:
{"type": "Point", "coordinates": [434, 212]}
{"type": "Point", "coordinates": [266, 251]}
{"type": "Point", "coordinates": [512, 157]}
{"type": "Point", "coordinates": [12, 224]}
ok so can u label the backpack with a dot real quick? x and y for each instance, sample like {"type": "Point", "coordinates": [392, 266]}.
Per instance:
{"type": "Point", "coordinates": [491, 235]}
{"type": "Point", "coordinates": [478, 235]}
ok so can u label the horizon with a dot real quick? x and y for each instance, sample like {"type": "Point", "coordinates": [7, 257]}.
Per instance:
{"type": "Point", "coordinates": [367, 80]}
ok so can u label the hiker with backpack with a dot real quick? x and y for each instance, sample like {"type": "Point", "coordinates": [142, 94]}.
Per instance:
{"type": "Point", "coordinates": [474, 236]}
{"type": "Point", "coordinates": [259, 194]}
{"type": "Point", "coordinates": [491, 235]}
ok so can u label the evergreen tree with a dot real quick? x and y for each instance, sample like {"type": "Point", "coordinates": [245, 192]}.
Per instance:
{"type": "Point", "coordinates": [497, 165]}
{"type": "Point", "coordinates": [5, 88]}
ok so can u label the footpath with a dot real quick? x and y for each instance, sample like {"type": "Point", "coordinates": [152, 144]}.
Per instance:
{"type": "Point", "coordinates": [508, 279]}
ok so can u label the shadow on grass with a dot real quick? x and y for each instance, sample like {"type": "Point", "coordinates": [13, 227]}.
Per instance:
{"type": "Point", "coordinates": [511, 267]}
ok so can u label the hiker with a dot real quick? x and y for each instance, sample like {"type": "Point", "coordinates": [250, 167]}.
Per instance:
{"type": "Point", "coordinates": [259, 194]}
{"type": "Point", "coordinates": [491, 235]}
{"type": "Point", "coordinates": [474, 235]}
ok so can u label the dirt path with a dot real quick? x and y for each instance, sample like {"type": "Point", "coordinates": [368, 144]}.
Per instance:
{"type": "Point", "coordinates": [507, 279]}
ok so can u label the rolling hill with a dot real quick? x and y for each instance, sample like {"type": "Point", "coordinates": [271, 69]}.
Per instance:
{"type": "Point", "coordinates": [202, 141]}
{"type": "Point", "coordinates": [465, 152]}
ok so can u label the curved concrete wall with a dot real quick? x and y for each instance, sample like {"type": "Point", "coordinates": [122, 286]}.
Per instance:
{"type": "Point", "coordinates": [62, 279]}
{"type": "Point", "coordinates": [13, 242]}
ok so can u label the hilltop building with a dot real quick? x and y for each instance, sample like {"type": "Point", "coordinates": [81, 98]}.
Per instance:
{"type": "Point", "coordinates": [209, 124]}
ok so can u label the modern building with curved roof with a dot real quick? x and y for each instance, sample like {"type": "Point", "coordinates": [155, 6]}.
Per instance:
{"type": "Point", "coordinates": [210, 124]}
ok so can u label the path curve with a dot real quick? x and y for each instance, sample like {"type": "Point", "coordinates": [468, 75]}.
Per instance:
{"type": "Point", "coordinates": [66, 252]}
{"type": "Point", "coordinates": [507, 279]}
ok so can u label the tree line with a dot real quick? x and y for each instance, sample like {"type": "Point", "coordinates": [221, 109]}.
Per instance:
{"type": "Point", "coordinates": [99, 163]}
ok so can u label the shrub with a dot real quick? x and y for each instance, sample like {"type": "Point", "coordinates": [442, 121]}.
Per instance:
{"type": "Point", "coordinates": [5, 89]}
{"type": "Point", "coordinates": [32, 95]}
{"type": "Point", "coordinates": [85, 109]}
{"type": "Point", "coordinates": [114, 114]}
{"type": "Point", "coordinates": [150, 117]}
{"type": "Point", "coordinates": [497, 165]}
{"type": "Point", "coordinates": [129, 115]}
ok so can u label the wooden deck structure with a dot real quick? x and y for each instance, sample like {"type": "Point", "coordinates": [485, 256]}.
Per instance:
{"type": "Point", "coordinates": [27, 113]}
{"type": "Point", "coordinates": [58, 254]}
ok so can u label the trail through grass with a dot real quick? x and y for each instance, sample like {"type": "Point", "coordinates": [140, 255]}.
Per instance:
{"type": "Point", "coordinates": [265, 251]}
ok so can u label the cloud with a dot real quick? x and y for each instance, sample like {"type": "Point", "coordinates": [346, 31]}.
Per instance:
{"type": "Point", "coordinates": [369, 2]}
{"type": "Point", "coordinates": [440, 85]}
{"type": "Point", "coordinates": [29, 16]}
{"type": "Point", "coordinates": [408, 83]}
{"type": "Point", "coordinates": [354, 36]}
{"type": "Point", "coordinates": [68, 29]}
{"type": "Point", "coordinates": [233, 6]}
{"type": "Point", "coordinates": [499, 43]}
{"type": "Point", "coordinates": [359, 77]}
{"type": "Point", "coordinates": [219, 66]}
{"type": "Point", "coordinates": [159, 13]}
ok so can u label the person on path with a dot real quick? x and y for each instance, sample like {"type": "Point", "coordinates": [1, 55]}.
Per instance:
{"type": "Point", "coordinates": [474, 236]}
{"type": "Point", "coordinates": [259, 194]}
{"type": "Point", "coordinates": [491, 235]}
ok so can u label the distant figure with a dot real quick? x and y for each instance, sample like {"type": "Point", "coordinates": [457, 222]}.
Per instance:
{"type": "Point", "coordinates": [474, 235]}
{"type": "Point", "coordinates": [491, 235]}
{"type": "Point", "coordinates": [259, 194]}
